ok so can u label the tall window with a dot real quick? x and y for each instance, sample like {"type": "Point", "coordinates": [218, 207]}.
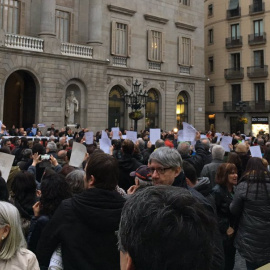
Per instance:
{"type": "Point", "coordinates": [120, 39]}
{"type": "Point", "coordinates": [181, 109]}
{"type": "Point", "coordinates": [259, 58]}
{"type": "Point", "coordinates": [211, 64]}
{"type": "Point", "coordinates": [185, 51]}
{"type": "Point", "coordinates": [210, 10]}
{"type": "Point", "coordinates": [212, 94]}
{"type": "Point", "coordinates": [258, 28]}
{"type": "Point", "coordinates": [116, 107]}
{"type": "Point", "coordinates": [62, 25]}
{"type": "Point", "coordinates": [151, 110]}
{"type": "Point", "coordinates": [155, 45]}
{"type": "Point", "coordinates": [235, 61]}
{"type": "Point", "coordinates": [235, 31]}
{"type": "Point", "coordinates": [236, 94]}
{"type": "Point", "coordinates": [259, 93]}
{"type": "Point", "coordinates": [9, 16]}
{"type": "Point", "coordinates": [210, 36]}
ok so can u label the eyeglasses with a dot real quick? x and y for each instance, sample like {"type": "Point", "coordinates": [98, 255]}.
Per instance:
{"type": "Point", "coordinates": [158, 170]}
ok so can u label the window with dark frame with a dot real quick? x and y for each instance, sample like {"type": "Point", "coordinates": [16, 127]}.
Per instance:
{"type": "Point", "coordinates": [210, 36]}
{"type": "Point", "coordinates": [210, 10]}
{"type": "Point", "coordinates": [211, 63]}
{"type": "Point", "coordinates": [212, 94]}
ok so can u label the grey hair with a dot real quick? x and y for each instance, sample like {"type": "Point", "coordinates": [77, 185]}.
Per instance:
{"type": "Point", "coordinates": [167, 157]}
{"type": "Point", "coordinates": [141, 144]}
{"type": "Point", "coordinates": [206, 143]}
{"type": "Point", "coordinates": [75, 180]}
{"type": "Point", "coordinates": [218, 152]}
{"type": "Point", "coordinates": [183, 148]}
{"type": "Point", "coordinates": [52, 146]}
{"type": "Point", "coordinates": [9, 215]}
{"type": "Point", "coordinates": [159, 143]}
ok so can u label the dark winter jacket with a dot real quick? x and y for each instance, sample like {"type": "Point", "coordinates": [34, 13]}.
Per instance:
{"type": "Point", "coordinates": [209, 170]}
{"type": "Point", "coordinates": [253, 235]}
{"type": "Point", "coordinates": [85, 226]}
{"type": "Point", "coordinates": [127, 164]}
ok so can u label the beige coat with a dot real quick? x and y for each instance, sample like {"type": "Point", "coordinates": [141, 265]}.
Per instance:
{"type": "Point", "coordinates": [23, 259]}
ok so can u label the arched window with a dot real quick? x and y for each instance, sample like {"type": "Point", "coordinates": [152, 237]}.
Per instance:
{"type": "Point", "coordinates": [151, 110]}
{"type": "Point", "coordinates": [116, 108]}
{"type": "Point", "coordinates": [182, 109]}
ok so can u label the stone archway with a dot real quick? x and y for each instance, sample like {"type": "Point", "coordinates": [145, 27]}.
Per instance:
{"type": "Point", "coordinates": [20, 100]}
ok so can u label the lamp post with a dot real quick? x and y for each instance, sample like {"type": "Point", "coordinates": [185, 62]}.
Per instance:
{"type": "Point", "coordinates": [137, 99]}
{"type": "Point", "coordinates": [241, 107]}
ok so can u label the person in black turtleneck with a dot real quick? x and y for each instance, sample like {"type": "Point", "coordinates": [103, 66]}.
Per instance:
{"type": "Point", "coordinates": [85, 224]}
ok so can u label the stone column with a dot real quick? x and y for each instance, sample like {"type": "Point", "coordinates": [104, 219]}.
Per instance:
{"type": "Point", "coordinates": [47, 20]}
{"type": "Point", "coordinates": [95, 22]}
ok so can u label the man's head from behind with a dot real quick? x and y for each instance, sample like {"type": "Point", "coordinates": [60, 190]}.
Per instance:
{"type": "Point", "coordinates": [164, 227]}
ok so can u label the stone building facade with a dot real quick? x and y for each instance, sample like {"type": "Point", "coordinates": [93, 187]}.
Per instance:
{"type": "Point", "coordinates": [97, 49]}
{"type": "Point", "coordinates": [236, 63]}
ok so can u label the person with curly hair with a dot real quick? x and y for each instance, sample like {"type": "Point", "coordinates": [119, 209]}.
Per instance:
{"type": "Point", "coordinates": [54, 189]}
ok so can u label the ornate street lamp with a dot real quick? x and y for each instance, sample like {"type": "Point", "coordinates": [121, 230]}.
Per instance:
{"type": "Point", "coordinates": [137, 99]}
{"type": "Point", "coordinates": [241, 107]}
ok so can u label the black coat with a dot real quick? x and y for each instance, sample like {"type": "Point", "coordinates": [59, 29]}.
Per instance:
{"type": "Point", "coordinates": [85, 226]}
{"type": "Point", "coordinates": [253, 235]}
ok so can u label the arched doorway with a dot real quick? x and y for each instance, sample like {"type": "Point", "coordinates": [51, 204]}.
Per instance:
{"type": "Point", "coordinates": [151, 110]}
{"type": "Point", "coordinates": [116, 108]}
{"type": "Point", "coordinates": [20, 100]}
{"type": "Point", "coordinates": [182, 109]}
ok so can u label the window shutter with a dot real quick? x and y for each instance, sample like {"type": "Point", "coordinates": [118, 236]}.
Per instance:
{"type": "Point", "coordinates": [149, 45]}
{"type": "Point", "coordinates": [22, 18]}
{"type": "Point", "coordinates": [71, 28]}
{"type": "Point", "coordinates": [179, 50]}
{"type": "Point", "coordinates": [191, 52]}
{"type": "Point", "coordinates": [162, 47]}
{"type": "Point", "coordinates": [113, 37]}
{"type": "Point", "coordinates": [129, 40]}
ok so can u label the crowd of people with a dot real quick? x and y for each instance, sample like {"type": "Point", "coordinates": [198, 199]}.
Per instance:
{"type": "Point", "coordinates": [166, 205]}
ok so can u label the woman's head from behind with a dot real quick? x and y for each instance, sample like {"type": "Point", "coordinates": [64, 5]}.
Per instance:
{"type": "Point", "coordinates": [11, 235]}
{"type": "Point", "coordinates": [54, 189]}
{"type": "Point", "coordinates": [75, 179]}
{"type": "Point", "coordinates": [255, 164]}
{"type": "Point", "coordinates": [226, 174]}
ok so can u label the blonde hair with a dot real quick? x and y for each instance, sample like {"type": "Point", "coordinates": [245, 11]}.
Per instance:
{"type": "Point", "coordinates": [9, 215]}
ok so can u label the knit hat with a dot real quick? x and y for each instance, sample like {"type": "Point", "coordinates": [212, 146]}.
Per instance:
{"type": "Point", "coordinates": [142, 172]}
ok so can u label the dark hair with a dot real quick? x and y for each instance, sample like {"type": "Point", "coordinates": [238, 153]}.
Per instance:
{"type": "Point", "coordinates": [164, 227]}
{"type": "Point", "coordinates": [3, 189]}
{"type": "Point", "coordinates": [190, 172]}
{"type": "Point", "coordinates": [105, 170]}
{"type": "Point", "coordinates": [91, 148]}
{"type": "Point", "coordinates": [66, 169]}
{"type": "Point", "coordinates": [256, 173]}
{"type": "Point", "coordinates": [223, 172]}
{"type": "Point", "coordinates": [236, 160]}
{"type": "Point", "coordinates": [128, 147]}
{"type": "Point", "coordinates": [38, 148]}
{"type": "Point", "coordinates": [5, 149]}
{"type": "Point", "coordinates": [54, 189]}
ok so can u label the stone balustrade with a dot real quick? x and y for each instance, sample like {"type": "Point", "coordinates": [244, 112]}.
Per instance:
{"type": "Point", "coordinates": [76, 50]}
{"type": "Point", "coordinates": [24, 42]}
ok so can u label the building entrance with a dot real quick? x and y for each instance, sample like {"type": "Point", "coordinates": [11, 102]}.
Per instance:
{"type": "Point", "coordinates": [19, 100]}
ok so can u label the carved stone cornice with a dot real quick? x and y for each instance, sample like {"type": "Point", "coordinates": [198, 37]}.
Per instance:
{"type": "Point", "coordinates": [153, 18]}
{"type": "Point", "coordinates": [122, 10]}
{"type": "Point", "coordinates": [184, 86]}
{"type": "Point", "coordinates": [185, 26]}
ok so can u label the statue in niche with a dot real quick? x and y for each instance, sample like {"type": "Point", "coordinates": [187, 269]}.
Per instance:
{"type": "Point", "coordinates": [72, 106]}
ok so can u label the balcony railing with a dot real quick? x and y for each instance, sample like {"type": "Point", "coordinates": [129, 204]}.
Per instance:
{"type": "Point", "coordinates": [257, 39]}
{"type": "Point", "coordinates": [24, 42]}
{"type": "Point", "coordinates": [257, 8]}
{"type": "Point", "coordinates": [251, 106]}
{"type": "Point", "coordinates": [234, 73]}
{"type": "Point", "coordinates": [257, 71]}
{"type": "Point", "coordinates": [235, 42]}
{"type": "Point", "coordinates": [155, 66]}
{"type": "Point", "coordinates": [233, 13]}
{"type": "Point", "coordinates": [76, 50]}
{"type": "Point", "coordinates": [119, 61]}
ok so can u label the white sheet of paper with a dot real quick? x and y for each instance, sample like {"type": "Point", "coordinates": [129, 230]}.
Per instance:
{"type": "Point", "coordinates": [105, 144]}
{"type": "Point", "coordinates": [219, 135]}
{"type": "Point", "coordinates": [124, 137]}
{"type": "Point", "coordinates": [132, 135]}
{"type": "Point", "coordinates": [180, 137]}
{"type": "Point", "coordinates": [115, 131]}
{"type": "Point", "coordinates": [0, 125]}
{"type": "Point", "coordinates": [189, 132]}
{"type": "Point", "coordinates": [203, 136]}
{"type": "Point", "coordinates": [77, 154]}
{"type": "Point", "coordinates": [256, 151]}
{"type": "Point", "coordinates": [104, 134]}
{"type": "Point", "coordinates": [34, 131]}
{"type": "Point", "coordinates": [6, 161]}
{"type": "Point", "coordinates": [89, 137]}
{"type": "Point", "coordinates": [226, 140]}
{"type": "Point", "coordinates": [154, 135]}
